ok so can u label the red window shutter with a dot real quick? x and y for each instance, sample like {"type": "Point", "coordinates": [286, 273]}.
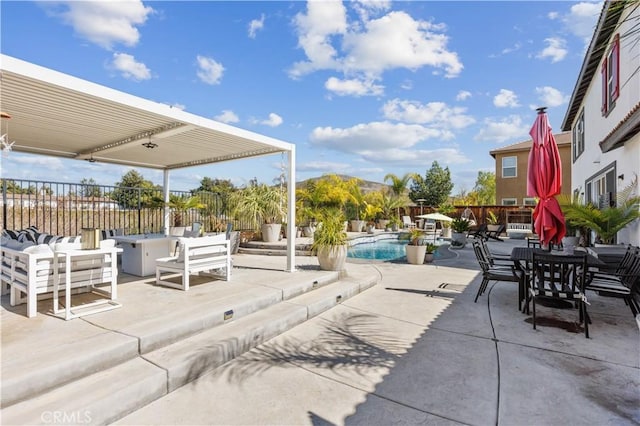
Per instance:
{"type": "Point", "coordinates": [603, 72]}
{"type": "Point", "coordinates": [615, 58]}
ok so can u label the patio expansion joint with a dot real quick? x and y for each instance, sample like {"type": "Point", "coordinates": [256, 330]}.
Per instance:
{"type": "Point", "coordinates": [110, 330]}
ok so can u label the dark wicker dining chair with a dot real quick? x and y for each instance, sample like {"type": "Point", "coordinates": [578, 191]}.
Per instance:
{"type": "Point", "coordinates": [495, 272]}
{"type": "Point", "coordinates": [560, 277]}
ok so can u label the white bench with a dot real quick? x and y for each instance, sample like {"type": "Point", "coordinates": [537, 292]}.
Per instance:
{"type": "Point", "coordinates": [519, 230]}
{"type": "Point", "coordinates": [196, 255]}
{"type": "Point", "coordinates": [30, 272]}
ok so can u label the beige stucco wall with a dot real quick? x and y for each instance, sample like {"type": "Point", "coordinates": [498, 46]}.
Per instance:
{"type": "Point", "coordinates": [516, 187]}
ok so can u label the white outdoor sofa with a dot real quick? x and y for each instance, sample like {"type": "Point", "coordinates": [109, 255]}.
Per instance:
{"type": "Point", "coordinates": [29, 272]}
{"type": "Point", "coordinates": [209, 254]}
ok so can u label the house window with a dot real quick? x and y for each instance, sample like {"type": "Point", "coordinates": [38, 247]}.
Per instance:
{"type": "Point", "coordinates": [601, 189]}
{"type": "Point", "coordinates": [611, 76]}
{"type": "Point", "coordinates": [578, 137]}
{"type": "Point", "coordinates": [509, 167]}
{"type": "Point", "coordinates": [509, 201]}
{"type": "Point", "coordinates": [529, 202]}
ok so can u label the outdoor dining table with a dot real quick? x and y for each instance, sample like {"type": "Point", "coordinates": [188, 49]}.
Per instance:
{"type": "Point", "coordinates": [522, 258]}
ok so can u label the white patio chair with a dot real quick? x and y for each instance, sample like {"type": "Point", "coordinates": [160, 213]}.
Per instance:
{"type": "Point", "coordinates": [407, 222]}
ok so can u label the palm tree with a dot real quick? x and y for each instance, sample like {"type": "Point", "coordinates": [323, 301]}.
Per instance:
{"type": "Point", "coordinates": [399, 186]}
{"type": "Point", "coordinates": [181, 204]}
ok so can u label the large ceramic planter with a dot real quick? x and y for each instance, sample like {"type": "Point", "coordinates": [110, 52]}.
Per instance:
{"type": "Point", "coordinates": [270, 232]}
{"type": "Point", "coordinates": [308, 230]}
{"type": "Point", "coordinates": [357, 225]}
{"type": "Point", "coordinates": [458, 240]}
{"type": "Point", "coordinates": [332, 258]}
{"type": "Point", "coordinates": [493, 228]}
{"type": "Point", "coordinates": [569, 244]}
{"type": "Point", "coordinates": [415, 254]}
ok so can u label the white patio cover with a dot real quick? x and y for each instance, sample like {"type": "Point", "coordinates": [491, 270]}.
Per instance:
{"type": "Point", "coordinates": [56, 114]}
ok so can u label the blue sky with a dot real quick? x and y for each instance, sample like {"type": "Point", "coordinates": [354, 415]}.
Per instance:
{"type": "Point", "coordinates": [361, 88]}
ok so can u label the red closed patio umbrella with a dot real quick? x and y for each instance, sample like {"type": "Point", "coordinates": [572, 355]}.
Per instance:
{"type": "Point", "coordinates": [544, 181]}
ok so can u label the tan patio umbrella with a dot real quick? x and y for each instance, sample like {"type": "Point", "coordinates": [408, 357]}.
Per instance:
{"type": "Point", "coordinates": [435, 216]}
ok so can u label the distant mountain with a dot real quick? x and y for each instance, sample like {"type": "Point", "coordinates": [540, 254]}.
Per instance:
{"type": "Point", "coordinates": [365, 185]}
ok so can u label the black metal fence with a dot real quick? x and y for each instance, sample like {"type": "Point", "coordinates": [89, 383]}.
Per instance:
{"type": "Point", "coordinates": [65, 208]}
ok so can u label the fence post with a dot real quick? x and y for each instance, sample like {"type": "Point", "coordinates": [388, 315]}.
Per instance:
{"type": "Point", "coordinates": [4, 204]}
{"type": "Point", "coordinates": [139, 211]}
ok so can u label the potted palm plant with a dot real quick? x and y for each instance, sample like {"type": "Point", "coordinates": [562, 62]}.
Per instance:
{"type": "Point", "coordinates": [493, 224]}
{"type": "Point", "coordinates": [395, 223]}
{"type": "Point", "coordinates": [180, 206]}
{"type": "Point", "coordinates": [262, 206]}
{"type": "Point", "coordinates": [604, 222]}
{"type": "Point", "coordinates": [460, 227]}
{"type": "Point", "coordinates": [330, 241]}
{"type": "Point", "coordinates": [446, 229]}
{"type": "Point", "coordinates": [416, 248]}
{"type": "Point", "coordinates": [370, 213]}
{"type": "Point", "coordinates": [430, 249]}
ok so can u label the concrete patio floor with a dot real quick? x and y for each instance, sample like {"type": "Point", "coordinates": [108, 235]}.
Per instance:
{"type": "Point", "coordinates": [413, 349]}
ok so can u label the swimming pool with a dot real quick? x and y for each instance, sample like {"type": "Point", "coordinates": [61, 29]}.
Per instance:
{"type": "Point", "coordinates": [378, 250]}
{"type": "Point", "coordinates": [385, 249]}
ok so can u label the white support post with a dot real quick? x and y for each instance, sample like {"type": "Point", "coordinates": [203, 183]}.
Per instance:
{"type": "Point", "coordinates": [291, 209]}
{"type": "Point", "coordinates": [167, 210]}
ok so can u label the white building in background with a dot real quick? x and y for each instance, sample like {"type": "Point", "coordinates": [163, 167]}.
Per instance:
{"type": "Point", "coordinates": [604, 111]}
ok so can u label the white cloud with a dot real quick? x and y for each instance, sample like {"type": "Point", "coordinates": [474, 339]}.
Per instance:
{"type": "Point", "coordinates": [396, 40]}
{"type": "Point", "coordinates": [104, 23]}
{"type": "Point", "coordinates": [556, 49]}
{"type": "Point", "coordinates": [49, 163]}
{"type": "Point", "coordinates": [391, 144]}
{"type": "Point", "coordinates": [415, 158]}
{"type": "Point", "coordinates": [553, 15]}
{"type": "Point", "coordinates": [130, 68]}
{"type": "Point", "coordinates": [227, 116]}
{"type": "Point", "coordinates": [507, 50]}
{"type": "Point", "coordinates": [315, 166]}
{"type": "Point", "coordinates": [369, 47]}
{"type": "Point", "coordinates": [582, 18]}
{"type": "Point", "coordinates": [439, 114]}
{"type": "Point", "coordinates": [551, 96]}
{"type": "Point", "coordinates": [255, 25]}
{"type": "Point", "coordinates": [506, 98]}
{"type": "Point", "coordinates": [209, 71]}
{"type": "Point", "coordinates": [315, 28]}
{"type": "Point", "coordinates": [406, 85]}
{"type": "Point", "coordinates": [367, 8]}
{"type": "Point", "coordinates": [463, 95]}
{"type": "Point", "coordinates": [353, 87]}
{"type": "Point", "coordinates": [508, 128]}
{"type": "Point", "coordinates": [374, 136]}
{"type": "Point", "coordinates": [274, 120]}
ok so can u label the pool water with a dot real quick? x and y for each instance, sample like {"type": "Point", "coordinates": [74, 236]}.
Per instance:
{"type": "Point", "coordinates": [380, 250]}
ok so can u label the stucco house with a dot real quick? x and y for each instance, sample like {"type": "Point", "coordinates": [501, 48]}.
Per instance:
{"type": "Point", "coordinates": [511, 170]}
{"type": "Point", "coordinates": [604, 112]}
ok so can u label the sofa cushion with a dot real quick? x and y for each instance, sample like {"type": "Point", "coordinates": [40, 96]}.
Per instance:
{"type": "Point", "coordinates": [27, 235]}
{"type": "Point", "coordinates": [18, 245]}
{"type": "Point", "coordinates": [39, 249]}
{"type": "Point", "coordinates": [9, 233]}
